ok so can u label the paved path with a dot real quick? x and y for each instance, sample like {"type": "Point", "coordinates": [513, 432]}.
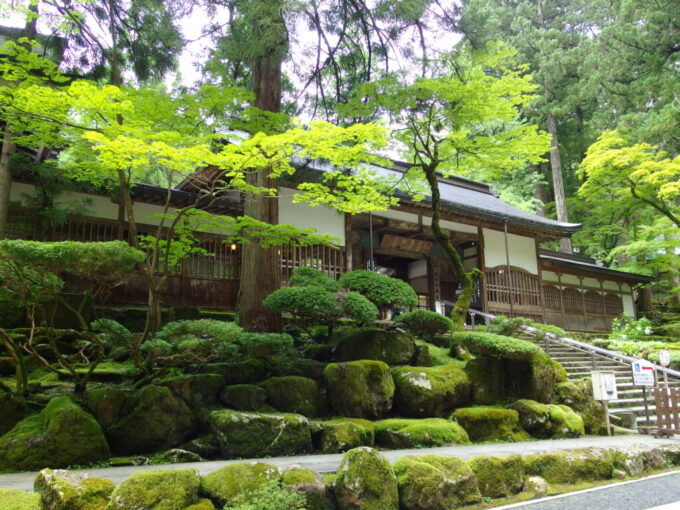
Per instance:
{"type": "Point", "coordinates": [648, 493]}
{"type": "Point", "coordinates": [330, 463]}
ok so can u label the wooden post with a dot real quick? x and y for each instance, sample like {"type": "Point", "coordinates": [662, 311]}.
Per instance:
{"type": "Point", "coordinates": [348, 243]}
{"type": "Point", "coordinates": [481, 261]}
{"type": "Point", "coordinates": [507, 266]}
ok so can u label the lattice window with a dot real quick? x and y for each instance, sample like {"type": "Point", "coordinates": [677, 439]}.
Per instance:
{"type": "Point", "coordinates": [551, 296]}
{"type": "Point", "coordinates": [518, 285]}
{"type": "Point", "coordinates": [328, 260]}
{"type": "Point", "coordinates": [572, 300]}
{"type": "Point", "coordinates": [593, 301]}
{"type": "Point", "coordinates": [613, 304]}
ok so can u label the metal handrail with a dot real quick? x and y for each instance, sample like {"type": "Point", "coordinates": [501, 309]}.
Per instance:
{"type": "Point", "coordinates": [582, 345]}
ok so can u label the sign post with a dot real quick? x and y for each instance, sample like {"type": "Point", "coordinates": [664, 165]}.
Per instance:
{"type": "Point", "coordinates": [665, 361]}
{"type": "Point", "coordinates": [644, 376]}
{"type": "Point", "coordinates": [604, 390]}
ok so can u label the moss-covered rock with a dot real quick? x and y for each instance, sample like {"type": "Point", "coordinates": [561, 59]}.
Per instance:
{"type": "Point", "coordinates": [61, 435]}
{"type": "Point", "coordinates": [342, 434]}
{"type": "Point", "coordinates": [507, 368]}
{"type": "Point", "coordinates": [196, 389]}
{"type": "Point", "coordinates": [548, 420]}
{"type": "Point", "coordinates": [411, 433]}
{"type": "Point", "coordinates": [206, 446]}
{"type": "Point", "coordinates": [68, 490]}
{"type": "Point", "coordinates": [244, 397]}
{"type": "Point", "coordinates": [636, 460]}
{"type": "Point", "coordinates": [435, 482]}
{"type": "Point", "coordinates": [15, 499]}
{"type": "Point", "coordinates": [108, 405]}
{"type": "Point", "coordinates": [360, 389]}
{"type": "Point", "coordinates": [293, 394]}
{"type": "Point", "coordinates": [498, 477]}
{"type": "Point", "coordinates": [204, 504]}
{"type": "Point", "coordinates": [248, 435]}
{"type": "Point", "coordinates": [237, 372]}
{"type": "Point", "coordinates": [425, 392]}
{"type": "Point", "coordinates": [391, 347]}
{"type": "Point", "coordinates": [366, 481]}
{"type": "Point", "coordinates": [176, 456]}
{"type": "Point", "coordinates": [223, 485]}
{"type": "Point", "coordinates": [309, 483]}
{"type": "Point", "coordinates": [578, 396]}
{"type": "Point", "coordinates": [173, 489]}
{"type": "Point", "coordinates": [422, 357]}
{"type": "Point", "coordinates": [490, 424]}
{"type": "Point", "coordinates": [560, 372]}
{"type": "Point", "coordinates": [12, 411]}
{"type": "Point", "coordinates": [570, 466]}
{"type": "Point", "coordinates": [159, 420]}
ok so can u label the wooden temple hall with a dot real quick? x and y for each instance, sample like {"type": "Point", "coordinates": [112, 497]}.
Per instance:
{"type": "Point", "coordinates": [518, 279]}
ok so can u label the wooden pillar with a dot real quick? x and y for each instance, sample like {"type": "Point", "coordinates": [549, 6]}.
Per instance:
{"type": "Point", "coordinates": [583, 302]}
{"type": "Point", "coordinates": [541, 300]}
{"type": "Point", "coordinates": [481, 262]}
{"type": "Point", "coordinates": [348, 243]}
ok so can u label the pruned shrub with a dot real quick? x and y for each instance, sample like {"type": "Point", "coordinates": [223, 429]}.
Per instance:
{"type": "Point", "coordinates": [507, 326]}
{"type": "Point", "coordinates": [309, 305]}
{"type": "Point", "coordinates": [383, 291]}
{"type": "Point", "coordinates": [303, 276]}
{"type": "Point", "coordinates": [359, 309]}
{"type": "Point", "coordinates": [424, 324]}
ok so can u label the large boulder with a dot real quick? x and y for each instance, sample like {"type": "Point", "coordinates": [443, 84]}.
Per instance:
{"type": "Point", "coordinates": [391, 347]}
{"type": "Point", "coordinates": [108, 405]}
{"type": "Point", "coordinates": [309, 483]}
{"type": "Point", "coordinates": [69, 490]}
{"type": "Point", "coordinates": [205, 446]}
{"type": "Point", "coordinates": [570, 466]}
{"type": "Point", "coordinates": [342, 434]}
{"type": "Point", "coordinates": [223, 485]}
{"type": "Point", "coordinates": [360, 389]}
{"type": "Point", "coordinates": [61, 435]}
{"type": "Point", "coordinates": [366, 481]}
{"type": "Point", "coordinates": [548, 420]}
{"type": "Point", "coordinates": [173, 489]}
{"type": "Point", "coordinates": [636, 460]}
{"type": "Point", "coordinates": [293, 394]}
{"type": "Point", "coordinates": [247, 435]}
{"type": "Point", "coordinates": [197, 390]}
{"type": "Point", "coordinates": [498, 477]}
{"type": "Point", "coordinates": [244, 397]}
{"type": "Point", "coordinates": [410, 433]}
{"type": "Point", "coordinates": [506, 368]}
{"type": "Point", "coordinates": [435, 482]}
{"type": "Point", "coordinates": [490, 424]}
{"type": "Point", "coordinates": [579, 397]}
{"type": "Point", "coordinates": [425, 392]}
{"type": "Point", "coordinates": [159, 420]}
{"type": "Point", "coordinates": [12, 411]}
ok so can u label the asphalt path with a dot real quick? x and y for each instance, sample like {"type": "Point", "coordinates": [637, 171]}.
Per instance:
{"type": "Point", "coordinates": [330, 463]}
{"type": "Point", "coordinates": [656, 492]}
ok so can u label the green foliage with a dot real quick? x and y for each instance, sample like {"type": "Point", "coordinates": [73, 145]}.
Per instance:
{"type": "Point", "coordinates": [424, 323]}
{"type": "Point", "coordinates": [627, 329]}
{"type": "Point", "coordinates": [309, 305]}
{"type": "Point", "coordinates": [381, 290]}
{"type": "Point", "coordinates": [112, 333]}
{"type": "Point", "coordinates": [358, 308]}
{"type": "Point", "coordinates": [268, 496]}
{"type": "Point", "coordinates": [489, 344]}
{"type": "Point", "coordinates": [506, 326]}
{"type": "Point", "coordinates": [303, 276]}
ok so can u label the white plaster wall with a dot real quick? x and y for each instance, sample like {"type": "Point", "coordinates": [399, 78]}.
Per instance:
{"type": "Point", "coordinates": [571, 278]}
{"type": "Point", "coordinates": [417, 268]}
{"type": "Point", "coordinates": [628, 305]}
{"type": "Point", "coordinates": [591, 282]}
{"type": "Point", "coordinates": [323, 219]}
{"type": "Point", "coordinates": [522, 250]}
{"type": "Point", "coordinates": [610, 285]}
{"type": "Point", "coordinates": [626, 288]}
{"type": "Point", "coordinates": [427, 221]}
{"type": "Point", "coordinates": [549, 276]}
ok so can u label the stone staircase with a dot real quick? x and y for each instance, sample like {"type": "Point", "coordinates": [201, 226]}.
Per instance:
{"type": "Point", "coordinates": [579, 363]}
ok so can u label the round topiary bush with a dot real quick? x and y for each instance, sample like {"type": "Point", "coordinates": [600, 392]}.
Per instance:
{"type": "Point", "coordinates": [383, 291]}
{"type": "Point", "coordinates": [359, 309]}
{"type": "Point", "coordinates": [424, 324]}
{"type": "Point", "coordinates": [304, 276]}
{"type": "Point", "coordinates": [309, 305]}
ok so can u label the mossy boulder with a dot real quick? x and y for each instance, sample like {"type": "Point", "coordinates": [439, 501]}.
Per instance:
{"type": "Point", "coordinates": [159, 420]}
{"type": "Point", "coordinates": [411, 433]}
{"type": "Point", "coordinates": [248, 371]}
{"type": "Point", "coordinates": [578, 396]}
{"type": "Point", "coordinates": [206, 446]}
{"type": "Point", "coordinates": [12, 411]}
{"type": "Point", "coordinates": [637, 459]}
{"type": "Point", "coordinates": [68, 490]}
{"type": "Point", "coordinates": [425, 392]}
{"type": "Point", "coordinates": [108, 405]}
{"type": "Point", "coordinates": [204, 504]}
{"type": "Point", "coordinates": [61, 435]}
{"type": "Point", "coordinates": [422, 356]}
{"type": "Point", "coordinates": [435, 482]}
{"type": "Point", "coordinates": [391, 347]}
{"type": "Point", "coordinates": [570, 466]}
{"type": "Point", "coordinates": [173, 489]}
{"type": "Point", "coordinates": [342, 434]}
{"type": "Point", "coordinates": [360, 389]}
{"type": "Point", "coordinates": [197, 390]}
{"type": "Point", "coordinates": [366, 481]}
{"type": "Point", "coordinates": [176, 456]}
{"type": "Point", "coordinates": [247, 435]}
{"type": "Point", "coordinates": [15, 499]}
{"type": "Point", "coordinates": [309, 483]}
{"type": "Point", "coordinates": [244, 397]}
{"type": "Point", "coordinates": [293, 394]}
{"type": "Point", "coordinates": [490, 424]}
{"type": "Point", "coordinates": [548, 420]}
{"type": "Point", "coordinates": [223, 485]}
{"type": "Point", "coordinates": [498, 477]}
{"type": "Point", "coordinates": [506, 367]}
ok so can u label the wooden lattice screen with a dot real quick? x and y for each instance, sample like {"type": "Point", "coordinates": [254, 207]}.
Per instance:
{"type": "Point", "coordinates": [667, 411]}
{"type": "Point", "coordinates": [573, 301]}
{"type": "Point", "coordinates": [613, 304]}
{"type": "Point", "coordinates": [327, 259]}
{"type": "Point", "coordinates": [503, 285]}
{"type": "Point", "coordinates": [551, 297]}
{"type": "Point", "coordinates": [593, 302]}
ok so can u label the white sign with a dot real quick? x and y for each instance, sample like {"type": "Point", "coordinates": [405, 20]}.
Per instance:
{"type": "Point", "coordinates": [604, 385]}
{"type": "Point", "coordinates": [664, 358]}
{"type": "Point", "coordinates": [643, 373]}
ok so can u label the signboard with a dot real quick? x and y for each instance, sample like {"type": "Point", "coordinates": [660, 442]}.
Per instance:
{"type": "Point", "coordinates": [664, 358]}
{"type": "Point", "coordinates": [643, 373]}
{"type": "Point", "coordinates": [604, 385]}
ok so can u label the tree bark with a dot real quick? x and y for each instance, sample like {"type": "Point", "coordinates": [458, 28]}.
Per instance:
{"type": "Point", "coordinates": [558, 183]}
{"type": "Point", "coordinates": [260, 267]}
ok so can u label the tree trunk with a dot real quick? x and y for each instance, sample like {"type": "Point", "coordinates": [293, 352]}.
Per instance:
{"type": "Point", "coordinates": [260, 267]}
{"type": "Point", "coordinates": [467, 280]}
{"type": "Point", "coordinates": [8, 148]}
{"type": "Point", "coordinates": [558, 183]}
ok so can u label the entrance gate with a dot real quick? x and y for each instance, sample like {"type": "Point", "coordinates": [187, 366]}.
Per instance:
{"type": "Point", "coordinates": [667, 410]}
